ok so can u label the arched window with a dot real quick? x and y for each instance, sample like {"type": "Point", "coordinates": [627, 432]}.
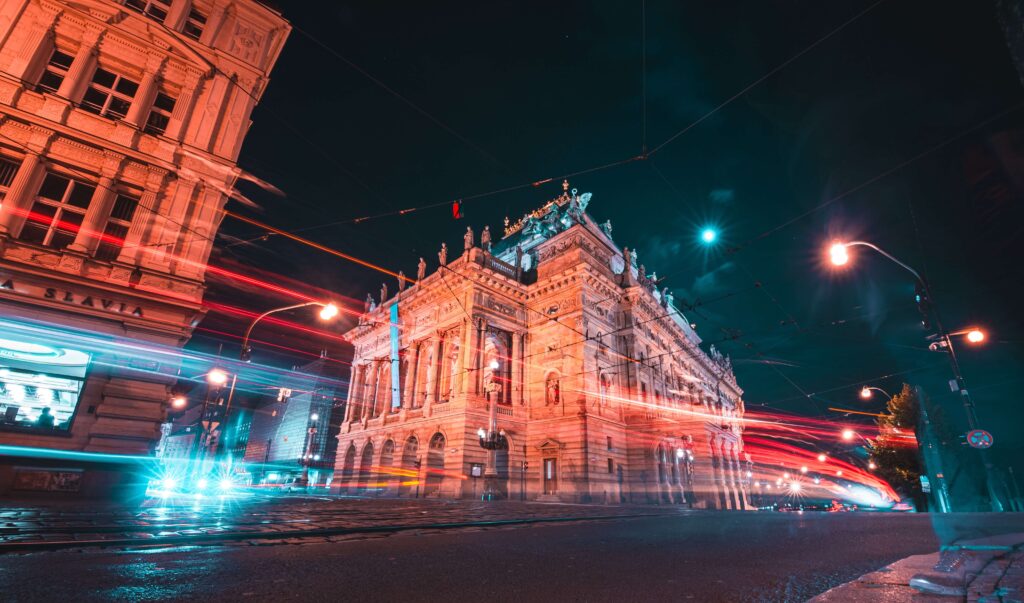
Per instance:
{"type": "Point", "coordinates": [349, 467]}
{"type": "Point", "coordinates": [552, 390]}
{"type": "Point", "coordinates": [410, 463]}
{"type": "Point", "coordinates": [435, 464]}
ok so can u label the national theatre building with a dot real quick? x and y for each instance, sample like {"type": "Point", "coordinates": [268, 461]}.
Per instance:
{"type": "Point", "coordinates": [545, 365]}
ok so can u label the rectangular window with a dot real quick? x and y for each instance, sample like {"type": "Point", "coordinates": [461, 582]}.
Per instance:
{"type": "Point", "coordinates": [109, 94]}
{"type": "Point", "coordinates": [611, 466]}
{"type": "Point", "coordinates": [609, 438]}
{"type": "Point", "coordinates": [56, 71]}
{"type": "Point", "coordinates": [8, 169]}
{"type": "Point", "coordinates": [117, 228]}
{"type": "Point", "coordinates": [160, 114]}
{"type": "Point", "coordinates": [194, 24]}
{"type": "Point", "coordinates": [58, 211]}
{"type": "Point", "coordinates": [154, 9]}
{"type": "Point", "coordinates": [39, 384]}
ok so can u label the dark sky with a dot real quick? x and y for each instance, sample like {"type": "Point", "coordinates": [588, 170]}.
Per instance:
{"type": "Point", "coordinates": [876, 120]}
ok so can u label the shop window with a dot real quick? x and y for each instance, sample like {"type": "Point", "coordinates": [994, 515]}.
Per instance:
{"type": "Point", "coordinates": [154, 9]}
{"type": "Point", "coordinates": [109, 94]}
{"type": "Point", "coordinates": [194, 25]}
{"type": "Point", "coordinates": [55, 72]}
{"type": "Point", "coordinates": [117, 228]}
{"type": "Point", "coordinates": [57, 214]}
{"type": "Point", "coordinates": [159, 114]}
{"type": "Point", "coordinates": [40, 385]}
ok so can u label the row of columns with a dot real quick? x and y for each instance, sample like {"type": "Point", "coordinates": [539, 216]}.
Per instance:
{"type": "Point", "coordinates": [727, 472]}
{"type": "Point", "coordinates": [425, 360]}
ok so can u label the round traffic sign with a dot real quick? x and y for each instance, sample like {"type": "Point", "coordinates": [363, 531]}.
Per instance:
{"type": "Point", "coordinates": [979, 438]}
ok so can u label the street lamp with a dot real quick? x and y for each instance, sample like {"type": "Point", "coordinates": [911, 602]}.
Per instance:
{"type": "Point", "coordinates": [821, 458]}
{"type": "Point", "coordinates": [849, 434]}
{"type": "Point", "coordinates": [217, 376]}
{"type": "Point", "coordinates": [709, 235]}
{"type": "Point", "coordinates": [327, 312]}
{"type": "Point", "coordinates": [865, 392]}
{"type": "Point", "coordinates": [179, 402]}
{"type": "Point", "coordinates": [492, 439]}
{"type": "Point", "coordinates": [839, 255]}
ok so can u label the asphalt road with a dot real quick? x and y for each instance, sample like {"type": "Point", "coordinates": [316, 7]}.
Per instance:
{"type": "Point", "coordinates": [700, 557]}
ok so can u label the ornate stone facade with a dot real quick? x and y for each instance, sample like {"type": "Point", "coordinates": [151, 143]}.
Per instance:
{"type": "Point", "coordinates": [120, 126]}
{"type": "Point", "coordinates": [603, 392]}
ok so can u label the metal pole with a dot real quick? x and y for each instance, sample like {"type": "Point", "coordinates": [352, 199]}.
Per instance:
{"type": "Point", "coordinates": [968, 403]}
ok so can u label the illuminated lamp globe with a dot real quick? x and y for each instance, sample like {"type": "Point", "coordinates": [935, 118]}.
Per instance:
{"type": "Point", "coordinates": [821, 458]}
{"type": "Point", "coordinates": [848, 434]}
{"type": "Point", "coordinates": [179, 402]}
{"type": "Point", "coordinates": [865, 392]}
{"type": "Point", "coordinates": [328, 312]}
{"type": "Point", "coordinates": [217, 376]}
{"type": "Point", "coordinates": [838, 255]}
{"type": "Point", "coordinates": [975, 336]}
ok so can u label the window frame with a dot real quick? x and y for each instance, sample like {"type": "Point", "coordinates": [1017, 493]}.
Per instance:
{"type": "Point", "coordinates": [195, 22]}
{"type": "Point", "coordinates": [54, 69]}
{"type": "Point", "coordinates": [83, 380]}
{"type": "Point", "coordinates": [156, 111]}
{"type": "Point", "coordinates": [105, 250]}
{"type": "Point", "coordinates": [62, 207]}
{"type": "Point", "coordinates": [110, 94]}
{"type": "Point", "coordinates": [144, 8]}
{"type": "Point", "coordinates": [8, 171]}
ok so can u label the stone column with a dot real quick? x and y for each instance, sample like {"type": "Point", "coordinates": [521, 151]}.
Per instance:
{"type": "Point", "coordinates": [432, 369]}
{"type": "Point", "coordinates": [160, 242]}
{"type": "Point", "coordinates": [177, 14]}
{"type": "Point", "coordinates": [88, 237]}
{"type": "Point", "coordinates": [138, 112]}
{"type": "Point", "coordinates": [466, 372]}
{"type": "Point", "coordinates": [146, 216]}
{"type": "Point", "coordinates": [178, 122]}
{"type": "Point", "coordinates": [352, 380]}
{"type": "Point", "coordinates": [32, 45]}
{"type": "Point", "coordinates": [477, 327]}
{"type": "Point", "coordinates": [409, 393]}
{"type": "Point", "coordinates": [517, 368]}
{"type": "Point", "coordinates": [74, 84]}
{"type": "Point", "coordinates": [16, 204]}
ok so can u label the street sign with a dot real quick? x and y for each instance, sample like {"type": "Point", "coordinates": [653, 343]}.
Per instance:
{"type": "Point", "coordinates": [979, 438]}
{"type": "Point", "coordinates": [926, 486]}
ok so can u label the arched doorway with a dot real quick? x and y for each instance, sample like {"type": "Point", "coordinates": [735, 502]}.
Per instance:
{"type": "Point", "coordinates": [365, 467]}
{"type": "Point", "coordinates": [387, 468]}
{"type": "Point", "coordinates": [410, 467]}
{"type": "Point", "coordinates": [435, 465]}
{"type": "Point", "coordinates": [348, 468]}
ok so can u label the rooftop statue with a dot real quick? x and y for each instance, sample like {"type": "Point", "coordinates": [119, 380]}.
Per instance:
{"type": "Point", "coordinates": [485, 239]}
{"type": "Point", "coordinates": [401, 281]}
{"type": "Point", "coordinates": [442, 256]}
{"type": "Point", "coordinates": [383, 292]}
{"type": "Point", "coordinates": [467, 239]}
{"type": "Point", "coordinates": [421, 270]}
{"type": "Point", "coordinates": [606, 228]}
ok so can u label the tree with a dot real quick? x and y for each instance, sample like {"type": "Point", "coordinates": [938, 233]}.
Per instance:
{"type": "Point", "coordinates": [895, 451]}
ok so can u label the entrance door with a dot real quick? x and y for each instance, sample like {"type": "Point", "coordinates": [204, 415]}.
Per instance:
{"type": "Point", "coordinates": [550, 476]}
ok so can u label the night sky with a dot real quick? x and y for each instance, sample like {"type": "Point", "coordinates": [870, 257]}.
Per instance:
{"type": "Point", "coordinates": [904, 129]}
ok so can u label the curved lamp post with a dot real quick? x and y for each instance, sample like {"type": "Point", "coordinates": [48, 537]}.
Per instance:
{"type": "Point", "coordinates": [839, 255]}
{"type": "Point", "coordinates": [865, 392]}
{"type": "Point", "coordinates": [327, 312]}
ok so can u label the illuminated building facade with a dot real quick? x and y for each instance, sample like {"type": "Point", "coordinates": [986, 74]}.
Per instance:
{"type": "Point", "coordinates": [120, 127]}
{"type": "Point", "coordinates": [603, 392]}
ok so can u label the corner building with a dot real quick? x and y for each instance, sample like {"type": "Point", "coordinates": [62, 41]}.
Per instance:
{"type": "Point", "coordinates": [120, 127]}
{"type": "Point", "coordinates": [603, 392]}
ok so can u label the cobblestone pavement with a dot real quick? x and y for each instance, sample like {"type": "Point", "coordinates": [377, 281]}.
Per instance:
{"type": "Point", "coordinates": [35, 527]}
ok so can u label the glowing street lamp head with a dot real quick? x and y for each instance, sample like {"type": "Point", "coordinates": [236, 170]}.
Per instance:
{"type": "Point", "coordinates": [217, 376]}
{"type": "Point", "coordinates": [481, 433]}
{"type": "Point", "coordinates": [872, 465]}
{"type": "Point", "coordinates": [179, 402]}
{"type": "Point", "coordinates": [848, 434]}
{"type": "Point", "coordinates": [794, 487]}
{"type": "Point", "coordinates": [865, 392]}
{"type": "Point", "coordinates": [328, 312]}
{"type": "Point", "coordinates": [821, 458]}
{"type": "Point", "coordinates": [803, 469]}
{"type": "Point", "coordinates": [493, 365]}
{"type": "Point", "coordinates": [709, 235]}
{"type": "Point", "coordinates": [975, 336]}
{"type": "Point", "coordinates": [837, 253]}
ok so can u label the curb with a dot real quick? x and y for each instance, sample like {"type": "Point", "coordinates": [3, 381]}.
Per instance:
{"type": "Point", "coordinates": [213, 538]}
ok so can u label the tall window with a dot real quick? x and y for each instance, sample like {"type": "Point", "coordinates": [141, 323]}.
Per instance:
{"type": "Point", "coordinates": [154, 9]}
{"type": "Point", "coordinates": [194, 24]}
{"type": "Point", "coordinates": [109, 94]}
{"type": "Point", "coordinates": [39, 384]}
{"type": "Point", "coordinates": [56, 71]}
{"type": "Point", "coordinates": [57, 214]}
{"type": "Point", "coordinates": [8, 169]}
{"type": "Point", "coordinates": [160, 114]}
{"type": "Point", "coordinates": [117, 228]}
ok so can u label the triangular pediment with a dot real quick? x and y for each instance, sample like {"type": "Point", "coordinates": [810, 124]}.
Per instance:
{"type": "Point", "coordinates": [550, 444]}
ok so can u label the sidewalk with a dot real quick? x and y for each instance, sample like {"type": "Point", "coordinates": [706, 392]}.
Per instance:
{"type": "Point", "coordinates": [48, 527]}
{"type": "Point", "coordinates": [987, 570]}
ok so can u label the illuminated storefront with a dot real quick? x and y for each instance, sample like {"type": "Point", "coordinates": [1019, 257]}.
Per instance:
{"type": "Point", "coordinates": [40, 385]}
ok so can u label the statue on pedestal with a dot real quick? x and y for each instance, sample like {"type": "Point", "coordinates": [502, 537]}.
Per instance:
{"type": "Point", "coordinates": [401, 281]}
{"type": "Point", "coordinates": [383, 292]}
{"type": "Point", "coordinates": [485, 239]}
{"type": "Point", "coordinates": [421, 270]}
{"type": "Point", "coordinates": [442, 256]}
{"type": "Point", "coordinates": [367, 303]}
{"type": "Point", "coordinates": [467, 239]}
{"type": "Point", "coordinates": [606, 228]}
